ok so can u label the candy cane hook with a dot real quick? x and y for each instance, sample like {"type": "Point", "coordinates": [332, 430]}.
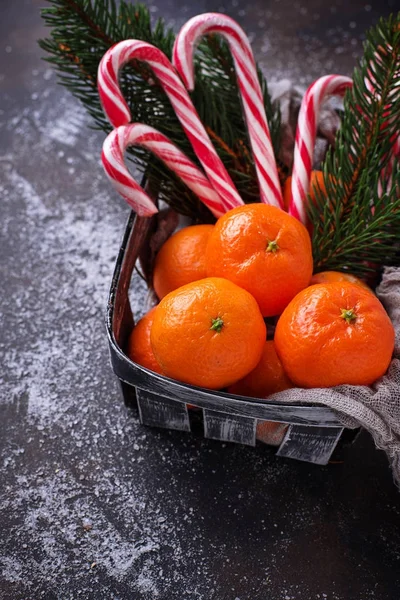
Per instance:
{"type": "Point", "coordinates": [118, 111]}
{"type": "Point", "coordinates": [250, 90]}
{"type": "Point", "coordinates": [305, 138]}
{"type": "Point", "coordinates": [142, 135]}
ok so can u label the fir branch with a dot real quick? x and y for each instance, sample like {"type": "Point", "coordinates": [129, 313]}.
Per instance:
{"type": "Point", "coordinates": [356, 224]}
{"type": "Point", "coordinates": [81, 32]}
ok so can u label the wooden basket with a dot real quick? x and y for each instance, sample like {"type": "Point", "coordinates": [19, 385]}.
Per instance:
{"type": "Point", "coordinates": [312, 434]}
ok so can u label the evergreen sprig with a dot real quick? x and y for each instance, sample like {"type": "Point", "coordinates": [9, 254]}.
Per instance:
{"type": "Point", "coordinates": [82, 31]}
{"type": "Point", "coordinates": [356, 223]}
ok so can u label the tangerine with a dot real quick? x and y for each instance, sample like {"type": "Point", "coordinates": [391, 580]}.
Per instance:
{"type": "Point", "coordinates": [263, 250]}
{"type": "Point", "coordinates": [139, 347]}
{"type": "Point", "coordinates": [267, 378]}
{"type": "Point", "coordinates": [209, 333]}
{"type": "Point", "coordinates": [332, 276]}
{"type": "Point", "coordinates": [181, 259]}
{"type": "Point", "coordinates": [316, 181]}
{"type": "Point", "coordinates": [332, 334]}
{"type": "Point", "coordinates": [271, 432]}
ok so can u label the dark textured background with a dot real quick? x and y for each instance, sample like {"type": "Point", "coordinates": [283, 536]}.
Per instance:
{"type": "Point", "coordinates": [93, 505]}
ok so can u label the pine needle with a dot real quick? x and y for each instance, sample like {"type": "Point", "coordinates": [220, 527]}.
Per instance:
{"type": "Point", "coordinates": [356, 224]}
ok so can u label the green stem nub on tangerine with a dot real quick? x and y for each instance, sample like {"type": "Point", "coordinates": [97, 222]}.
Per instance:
{"type": "Point", "coordinates": [217, 324]}
{"type": "Point", "coordinates": [348, 315]}
{"type": "Point", "coordinates": [272, 246]}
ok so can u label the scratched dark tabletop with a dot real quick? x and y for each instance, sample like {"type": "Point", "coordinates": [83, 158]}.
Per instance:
{"type": "Point", "coordinates": [92, 504]}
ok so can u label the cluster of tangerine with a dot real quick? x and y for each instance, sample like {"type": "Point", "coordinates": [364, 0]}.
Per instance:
{"type": "Point", "coordinates": [219, 284]}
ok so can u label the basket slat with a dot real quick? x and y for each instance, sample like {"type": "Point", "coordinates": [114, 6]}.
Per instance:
{"type": "Point", "coordinates": [229, 428]}
{"type": "Point", "coordinates": [310, 444]}
{"type": "Point", "coordinates": [158, 411]}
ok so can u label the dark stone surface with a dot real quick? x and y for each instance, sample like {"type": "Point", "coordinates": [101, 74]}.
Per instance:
{"type": "Point", "coordinates": [92, 505]}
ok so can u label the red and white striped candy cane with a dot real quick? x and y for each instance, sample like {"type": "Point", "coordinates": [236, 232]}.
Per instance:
{"type": "Point", "coordinates": [118, 111]}
{"type": "Point", "coordinates": [250, 89]}
{"type": "Point", "coordinates": [305, 138]}
{"type": "Point", "coordinates": [142, 135]}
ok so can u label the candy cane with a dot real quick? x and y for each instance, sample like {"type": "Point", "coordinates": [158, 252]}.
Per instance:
{"type": "Point", "coordinates": [250, 89]}
{"type": "Point", "coordinates": [118, 112]}
{"type": "Point", "coordinates": [142, 135]}
{"type": "Point", "coordinates": [305, 138]}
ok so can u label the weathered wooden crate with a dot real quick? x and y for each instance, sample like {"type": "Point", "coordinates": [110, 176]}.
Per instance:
{"type": "Point", "coordinates": [313, 431]}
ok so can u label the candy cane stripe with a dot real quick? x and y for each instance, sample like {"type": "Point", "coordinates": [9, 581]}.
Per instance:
{"type": "Point", "coordinates": [250, 89]}
{"type": "Point", "coordinates": [305, 138]}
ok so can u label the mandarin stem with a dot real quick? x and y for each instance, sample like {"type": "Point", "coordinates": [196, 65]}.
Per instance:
{"type": "Point", "coordinates": [217, 324]}
{"type": "Point", "coordinates": [272, 246]}
{"type": "Point", "coordinates": [348, 315]}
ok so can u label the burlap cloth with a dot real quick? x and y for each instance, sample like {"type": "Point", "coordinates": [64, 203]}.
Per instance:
{"type": "Point", "coordinates": [375, 408]}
